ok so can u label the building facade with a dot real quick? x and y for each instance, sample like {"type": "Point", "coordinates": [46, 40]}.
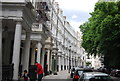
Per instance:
{"type": "Point", "coordinates": [36, 31]}
{"type": "Point", "coordinates": [95, 62]}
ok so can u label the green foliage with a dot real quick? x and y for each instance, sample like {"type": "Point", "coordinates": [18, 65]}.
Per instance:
{"type": "Point", "coordinates": [101, 34]}
{"type": "Point", "coordinates": [88, 63]}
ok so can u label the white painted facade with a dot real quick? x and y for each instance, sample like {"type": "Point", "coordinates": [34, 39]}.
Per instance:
{"type": "Point", "coordinates": [38, 32]}
{"type": "Point", "coordinates": [67, 41]}
{"type": "Point", "coordinates": [95, 61]}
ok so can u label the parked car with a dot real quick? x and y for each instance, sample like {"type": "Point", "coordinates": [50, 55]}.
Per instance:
{"type": "Point", "coordinates": [95, 76]}
{"type": "Point", "coordinates": [115, 72]}
{"type": "Point", "coordinates": [77, 74]}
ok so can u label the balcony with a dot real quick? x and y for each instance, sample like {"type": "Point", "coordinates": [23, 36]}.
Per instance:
{"type": "Point", "coordinates": [37, 27]}
{"type": "Point", "coordinates": [44, 5]}
{"type": "Point", "coordinates": [41, 28]}
{"type": "Point", "coordinates": [42, 16]}
{"type": "Point", "coordinates": [47, 26]}
{"type": "Point", "coordinates": [47, 16]}
{"type": "Point", "coordinates": [38, 30]}
{"type": "Point", "coordinates": [43, 8]}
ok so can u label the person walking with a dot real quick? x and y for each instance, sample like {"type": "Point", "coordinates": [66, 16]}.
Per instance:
{"type": "Point", "coordinates": [25, 75]}
{"type": "Point", "coordinates": [39, 71]}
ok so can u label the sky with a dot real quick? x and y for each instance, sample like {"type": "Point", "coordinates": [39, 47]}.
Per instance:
{"type": "Point", "coordinates": [77, 11]}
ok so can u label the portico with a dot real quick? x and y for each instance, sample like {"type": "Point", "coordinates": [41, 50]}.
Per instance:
{"type": "Point", "coordinates": [15, 22]}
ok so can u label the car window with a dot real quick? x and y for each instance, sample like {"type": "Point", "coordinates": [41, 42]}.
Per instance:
{"type": "Point", "coordinates": [80, 72]}
{"type": "Point", "coordinates": [103, 78]}
{"type": "Point", "coordinates": [88, 77]}
{"type": "Point", "coordinates": [82, 78]}
{"type": "Point", "coordinates": [88, 71]}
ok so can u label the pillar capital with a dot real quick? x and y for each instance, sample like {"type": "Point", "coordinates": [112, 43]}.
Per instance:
{"type": "Point", "coordinates": [39, 43]}
{"type": "Point", "coordinates": [18, 20]}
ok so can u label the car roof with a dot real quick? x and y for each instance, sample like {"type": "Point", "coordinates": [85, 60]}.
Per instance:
{"type": "Point", "coordinates": [95, 74]}
{"type": "Point", "coordinates": [76, 67]}
{"type": "Point", "coordinates": [84, 69]}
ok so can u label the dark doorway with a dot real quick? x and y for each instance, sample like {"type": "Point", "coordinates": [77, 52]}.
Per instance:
{"type": "Point", "coordinates": [61, 67]}
{"type": "Point", "coordinates": [57, 67]}
{"type": "Point", "coordinates": [45, 64]}
{"type": "Point", "coordinates": [65, 67]}
{"type": "Point", "coordinates": [35, 55]}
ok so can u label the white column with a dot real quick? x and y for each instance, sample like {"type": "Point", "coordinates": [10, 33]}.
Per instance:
{"type": "Point", "coordinates": [26, 52]}
{"type": "Point", "coordinates": [0, 50]}
{"type": "Point", "coordinates": [59, 63]}
{"type": "Point", "coordinates": [63, 61]}
{"type": "Point", "coordinates": [76, 60]}
{"type": "Point", "coordinates": [33, 55]}
{"type": "Point", "coordinates": [67, 62]}
{"type": "Point", "coordinates": [16, 49]}
{"type": "Point", "coordinates": [48, 60]}
{"type": "Point", "coordinates": [68, 58]}
{"type": "Point", "coordinates": [51, 61]}
{"type": "Point", "coordinates": [39, 46]}
{"type": "Point", "coordinates": [43, 54]}
{"type": "Point", "coordinates": [71, 60]}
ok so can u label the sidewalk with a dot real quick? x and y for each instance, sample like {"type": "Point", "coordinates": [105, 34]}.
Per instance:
{"type": "Point", "coordinates": [61, 75]}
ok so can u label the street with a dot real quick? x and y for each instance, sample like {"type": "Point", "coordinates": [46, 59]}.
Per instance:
{"type": "Point", "coordinates": [62, 76]}
{"type": "Point", "coordinates": [59, 35]}
{"type": "Point", "coordinates": [65, 76]}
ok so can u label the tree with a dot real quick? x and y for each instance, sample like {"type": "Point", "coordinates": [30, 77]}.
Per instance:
{"type": "Point", "coordinates": [101, 34]}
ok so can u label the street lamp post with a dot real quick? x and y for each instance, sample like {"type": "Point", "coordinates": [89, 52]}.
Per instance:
{"type": "Point", "coordinates": [69, 59]}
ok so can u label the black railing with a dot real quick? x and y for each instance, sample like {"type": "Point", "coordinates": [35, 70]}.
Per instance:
{"type": "Point", "coordinates": [7, 72]}
{"type": "Point", "coordinates": [20, 71]}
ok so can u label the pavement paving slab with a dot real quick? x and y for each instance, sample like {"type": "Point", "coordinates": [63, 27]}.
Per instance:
{"type": "Point", "coordinates": [61, 75]}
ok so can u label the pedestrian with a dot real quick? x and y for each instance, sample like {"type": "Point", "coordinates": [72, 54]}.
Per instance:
{"type": "Point", "coordinates": [39, 71]}
{"type": "Point", "coordinates": [25, 75]}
